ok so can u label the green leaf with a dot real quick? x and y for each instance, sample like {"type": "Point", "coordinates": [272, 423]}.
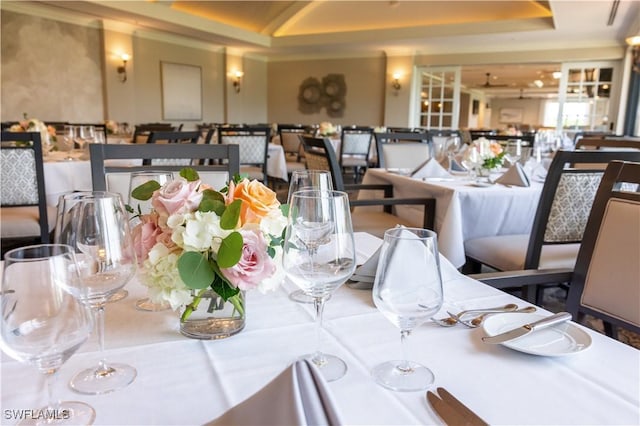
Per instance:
{"type": "Point", "coordinates": [229, 218]}
{"type": "Point", "coordinates": [230, 250]}
{"type": "Point", "coordinates": [271, 252]}
{"type": "Point", "coordinates": [284, 208]}
{"type": "Point", "coordinates": [212, 201]}
{"type": "Point", "coordinates": [189, 174]}
{"type": "Point", "coordinates": [145, 191]}
{"type": "Point", "coordinates": [195, 270]}
{"type": "Point", "coordinates": [222, 286]}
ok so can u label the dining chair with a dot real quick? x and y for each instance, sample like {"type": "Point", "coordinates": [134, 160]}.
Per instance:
{"type": "Point", "coordinates": [355, 147]}
{"type": "Point", "coordinates": [293, 150]}
{"type": "Point", "coordinates": [254, 148]}
{"type": "Point", "coordinates": [321, 156]}
{"type": "Point", "coordinates": [608, 143]}
{"type": "Point", "coordinates": [216, 164]}
{"type": "Point", "coordinates": [141, 131]}
{"type": "Point", "coordinates": [403, 150]}
{"type": "Point", "coordinates": [605, 282]}
{"type": "Point", "coordinates": [24, 215]}
{"type": "Point", "coordinates": [559, 223]}
{"type": "Point", "coordinates": [173, 136]}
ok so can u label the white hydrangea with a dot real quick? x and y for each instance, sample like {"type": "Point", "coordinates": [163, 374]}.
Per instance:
{"type": "Point", "coordinates": [198, 231]}
{"type": "Point", "coordinates": [162, 278]}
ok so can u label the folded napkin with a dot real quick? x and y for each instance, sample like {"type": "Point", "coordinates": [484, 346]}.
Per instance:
{"type": "Point", "coordinates": [515, 176]}
{"type": "Point", "coordinates": [298, 396]}
{"type": "Point", "coordinates": [366, 272]}
{"type": "Point", "coordinates": [431, 169]}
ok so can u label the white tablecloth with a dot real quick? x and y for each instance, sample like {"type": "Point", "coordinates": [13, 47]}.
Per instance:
{"type": "Point", "coordinates": [183, 381]}
{"type": "Point", "coordinates": [463, 211]}
{"type": "Point", "coordinates": [62, 176]}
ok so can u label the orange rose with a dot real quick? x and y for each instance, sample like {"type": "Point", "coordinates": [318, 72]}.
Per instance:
{"type": "Point", "coordinates": [257, 200]}
{"type": "Point", "coordinates": [495, 148]}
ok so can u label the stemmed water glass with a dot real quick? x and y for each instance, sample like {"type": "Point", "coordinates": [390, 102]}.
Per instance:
{"type": "Point", "coordinates": [513, 151]}
{"type": "Point", "coordinates": [41, 324]}
{"type": "Point", "coordinates": [408, 297]}
{"type": "Point", "coordinates": [307, 180]}
{"type": "Point", "coordinates": [319, 256]}
{"type": "Point", "coordinates": [146, 181]}
{"type": "Point", "coordinates": [96, 225]}
{"type": "Point", "coordinates": [66, 142]}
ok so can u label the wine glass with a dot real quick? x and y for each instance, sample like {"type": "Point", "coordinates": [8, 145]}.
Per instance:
{"type": "Point", "coordinates": [151, 180]}
{"type": "Point", "coordinates": [306, 180]}
{"type": "Point", "coordinates": [319, 256]}
{"type": "Point", "coordinates": [513, 151]}
{"type": "Point", "coordinates": [96, 225]}
{"type": "Point", "coordinates": [471, 161]}
{"type": "Point", "coordinates": [41, 324]}
{"type": "Point", "coordinates": [66, 142]}
{"type": "Point", "coordinates": [407, 296]}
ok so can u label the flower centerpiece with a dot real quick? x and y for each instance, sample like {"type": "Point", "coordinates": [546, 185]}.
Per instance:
{"type": "Point", "coordinates": [487, 155]}
{"type": "Point", "coordinates": [47, 133]}
{"type": "Point", "coordinates": [112, 127]}
{"type": "Point", "coordinates": [327, 129]}
{"type": "Point", "coordinates": [198, 243]}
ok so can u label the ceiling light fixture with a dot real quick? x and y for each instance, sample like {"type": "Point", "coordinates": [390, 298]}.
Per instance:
{"type": "Point", "coordinates": [538, 83]}
{"type": "Point", "coordinates": [557, 75]}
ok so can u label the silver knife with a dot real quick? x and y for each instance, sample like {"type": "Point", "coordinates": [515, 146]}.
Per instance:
{"type": "Point", "coordinates": [528, 328]}
{"type": "Point", "coordinates": [447, 413]}
{"type": "Point", "coordinates": [469, 415]}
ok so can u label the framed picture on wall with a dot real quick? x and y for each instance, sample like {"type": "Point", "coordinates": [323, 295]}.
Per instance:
{"type": "Point", "coordinates": [475, 107]}
{"type": "Point", "coordinates": [181, 91]}
{"type": "Point", "coordinates": [511, 115]}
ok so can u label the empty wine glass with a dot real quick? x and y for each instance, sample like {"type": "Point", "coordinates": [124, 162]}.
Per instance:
{"type": "Point", "coordinates": [145, 182]}
{"type": "Point", "coordinates": [96, 225]}
{"type": "Point", "coordinates": [66, 142]}
{"type": "Point", "coordinates": [407, 296]}
{"type": "Point", "coordinates": [307, 180]}
{"type": "Point", "coordinates": [319, 256]}
{"type": "Point", "coordinates": [513, 151]}
{"type": "Point", "coordinates": [41, 324]}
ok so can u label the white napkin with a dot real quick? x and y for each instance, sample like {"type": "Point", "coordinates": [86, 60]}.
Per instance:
{"type": "Point", "coordinates": [431, 169]}
{"type": "Point", "coordinates": [515, 176]}
{"type": "Point", "coordinates": [366, 272]}
{"type": "Point", "coordinates": [298, 396]}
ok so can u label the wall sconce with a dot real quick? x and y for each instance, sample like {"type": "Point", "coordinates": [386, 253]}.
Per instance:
{"type": "Point", "coordinates": [122, 69]}
{"type": "Point", "coordinates": [396, 81]}
{"type": "Point", "coordinates": [634, 42]}
{"type": "Point", "coordinates": [237, 75]}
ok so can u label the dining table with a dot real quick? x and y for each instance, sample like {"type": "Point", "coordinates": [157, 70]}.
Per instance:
{"type": "Point", "coordinates": [62, 175]}
{"type": "Point", "coordinates": [465, 208]}
{"type": "Point", "coordinates": [184, 381]}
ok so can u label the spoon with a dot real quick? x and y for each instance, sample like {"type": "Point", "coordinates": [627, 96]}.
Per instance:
{"type": "Point", "coordinates": [453, 319]}
{"type": "Point", "coordinates": [477, 321]}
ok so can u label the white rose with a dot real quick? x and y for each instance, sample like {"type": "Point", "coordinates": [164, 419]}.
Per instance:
{"type": "Point", "coordinates": [274, 223]}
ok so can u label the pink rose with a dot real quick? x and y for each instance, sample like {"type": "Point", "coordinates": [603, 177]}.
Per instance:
{"type": "Point", "coordinates": [254, 265]}
{"type": "Point", "coordinates": [178, 196]}
{"type": "Point", "coordinates": [145, 236]}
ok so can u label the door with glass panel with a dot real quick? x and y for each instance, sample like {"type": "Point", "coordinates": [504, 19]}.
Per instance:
{"type": "Point", "coordinates": [589, 96]}
{"type": "Point", "coordinates": [438, 100]}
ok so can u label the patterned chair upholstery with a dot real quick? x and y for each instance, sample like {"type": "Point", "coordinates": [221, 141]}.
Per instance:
{"type": "Point", "coordinates": [321, 156]}
{"type": "Point", "coordinates": [254, 148]}
{"type": "Point", "coordinates": [560, 219]}
{"type": "Point", "coordinates": [355, 146]}
{"type": "Point", "coordinates": [161, 137]}
{"type": "Point", "coordinates": [25, 215]}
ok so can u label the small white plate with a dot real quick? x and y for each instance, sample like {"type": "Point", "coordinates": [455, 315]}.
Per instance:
{"type": "Point", "coordinates": [557, 340]}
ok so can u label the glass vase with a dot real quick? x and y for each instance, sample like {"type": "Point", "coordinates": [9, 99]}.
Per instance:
{"type": "Point", "coordinates": [211, 317]}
